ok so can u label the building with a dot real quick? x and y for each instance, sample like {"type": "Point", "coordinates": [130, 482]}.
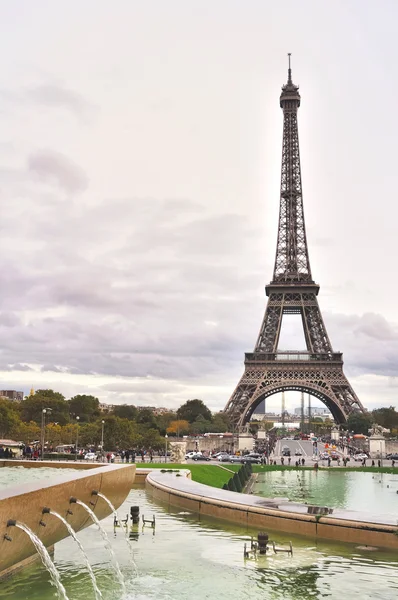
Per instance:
{"type": "Point", "coordinates": [11, 395]}
{"type": "Point", "coordinates": [106, 407]}
{"type": "Point", "coordinates": [316, 411]}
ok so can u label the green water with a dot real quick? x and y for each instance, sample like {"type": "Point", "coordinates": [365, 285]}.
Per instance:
{"type": "Point", "coordinates": [191, 558]}
{"type": "Point", "coordinates": [369, 492]}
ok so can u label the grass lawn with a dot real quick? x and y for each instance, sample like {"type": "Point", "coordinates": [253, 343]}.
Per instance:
{"type": "Point", "coordinates": [209, 474]}
{"type": "Point", "coordinates": [216, 476]}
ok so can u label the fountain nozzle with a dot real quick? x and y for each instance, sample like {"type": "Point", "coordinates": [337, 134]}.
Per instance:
{"type": "Point", "coordinates": [72, 500]}
{"type": "Point", "coordinates": [42, 523]}
{"type": "Point", "coordinates": [69, 512]}
{"type": "Point", "coordinates": [7, 537]}
{"type": "Point", "coordinates": [45, 511]}
{"type": "Point", "coordinates": [11, 523]}
{"type": "Point", "coordinates": [94, 493]}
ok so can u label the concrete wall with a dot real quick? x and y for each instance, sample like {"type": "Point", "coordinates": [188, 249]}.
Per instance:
{"type": "Point", "coordinates": [25, 503]}
{"type": "Point", "coordinates": [391, 446]}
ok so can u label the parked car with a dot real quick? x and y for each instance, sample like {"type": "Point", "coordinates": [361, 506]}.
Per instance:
{"type": "Point", "coordinates": [235, 459]}
{"type": "Point", "coordinates": [392, 456]}
{"type": "Point", "coordinates": [324, 456]}
{"type": "Point", "coordinates": [90, 456]}
{"type": "Point", "coordinates": [223, 457]}
{"type": "Point", "coordinates": [285, 451]}
{"type": "Point", "coordinates": [335, 456]}
{"type": "Point", "coordinates": [360, 457]}
{"type": "Point", "coordinates": [191, 454]}
{"type": "Point", "coordinates": [256, 460]}
{"type": "Point", "coordinates": [298, 453]}
{"type": "Point", "coordinates": [201, 457]}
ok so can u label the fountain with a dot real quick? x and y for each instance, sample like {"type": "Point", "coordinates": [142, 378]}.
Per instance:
{"type": "Point", "coordinates": [72, 533]}
{"type": "Point", "coordinates": [116, 517]}
{"type": "Point", "coordinates": [44, 555]}
{"type": "Point", "coordinates": [25, 501]}
{"type": "Point", "coordinates": [106, 541]}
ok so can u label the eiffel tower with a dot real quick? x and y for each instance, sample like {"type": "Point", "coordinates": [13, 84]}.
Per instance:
{"type": "Point", "coordinates": [318, 370]}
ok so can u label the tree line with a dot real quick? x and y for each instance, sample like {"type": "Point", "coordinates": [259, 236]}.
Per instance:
{"type": "Point", "coordinates": [124, 426]}
{"type": "Point", "coordinates": [386, 417]}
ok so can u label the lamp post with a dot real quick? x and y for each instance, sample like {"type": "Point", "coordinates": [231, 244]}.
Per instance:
{"type": "Point", "coordinates": [102, 434]}
{"type": "Point", "coordinates": [43, 425]}
{"type": "Point", "coordinates": [165, 453]}
{"type": "Point", "coordinates": [77, 435]}
{"type": "Point", "coordinates": [43, 430]}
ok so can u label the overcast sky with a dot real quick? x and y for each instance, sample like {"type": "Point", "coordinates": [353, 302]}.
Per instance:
{"type": "Point", "coordinates": [140, 149]}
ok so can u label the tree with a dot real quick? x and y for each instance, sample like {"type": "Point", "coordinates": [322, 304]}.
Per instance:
{"type": "Point", "coordinates": [192, 409]}
{"type": "Point", "coordinates": [386, 417]}
{"type": "Point", "coordinates": [221, 422]}
{"type": "Point", "coordinates": [90, 434]}
{"type": "Point", "coordinates": [164, 421]}
{"type": "Point", "coordinates": [121, 433]}
{"type": "Point", "coordinates": [32, 406]}
{"type": "Point", "coordinates": [26, 432]}
{"type": "Point", "coordinates": [151, 438]}
{"type": "Point", "coordinates": [9, 418]}
{"type": "Point", "coordinates": [180, 427]}
{"type": "Point", "coordinates": [54, 434]}
{"type": "Point", "coordinates": [146, 417]}
{"type": "Point", "coordinates": [85, 407]}
{"type": "Point", "coordinates": [126, 411]}
{"type": "Point", "coordinates": [359, 422]}
{"type": "Point", "coordinates": [200, 425]}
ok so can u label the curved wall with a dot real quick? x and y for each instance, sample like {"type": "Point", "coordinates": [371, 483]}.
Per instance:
{"type": "Point", "coordinates": [290, 517]}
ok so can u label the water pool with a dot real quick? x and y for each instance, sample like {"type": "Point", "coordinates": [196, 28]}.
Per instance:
{"type": "Point", "coordinates": [192, 558]}
{"type": "Point", "coordinates": [10, 476]}
{"type": "Point", "coordinates": [369, 492]}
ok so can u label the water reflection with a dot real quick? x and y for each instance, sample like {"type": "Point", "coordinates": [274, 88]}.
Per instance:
{"type": "Point", "coordinates": [338, 489]}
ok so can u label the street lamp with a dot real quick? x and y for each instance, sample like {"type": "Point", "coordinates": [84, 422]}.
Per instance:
{"type": "Point", "coordinates": [77, 435]}
{"type": "Point", "coordinates": [165, 453]}
{"type": "Point", "coordinates": [43, 429]}
{"type": "Point", "coordinates": [102, 440]}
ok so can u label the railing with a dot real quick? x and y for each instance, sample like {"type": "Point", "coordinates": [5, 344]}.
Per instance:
{"type": "Point", "coordinates": [293, 356]}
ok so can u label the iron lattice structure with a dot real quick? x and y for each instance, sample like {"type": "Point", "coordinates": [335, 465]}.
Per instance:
{"type": "Point", "coordinates": [318, 370]}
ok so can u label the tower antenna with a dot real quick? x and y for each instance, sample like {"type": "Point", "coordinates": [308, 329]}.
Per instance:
{"type": "Point", "coordinates": [289, 73]}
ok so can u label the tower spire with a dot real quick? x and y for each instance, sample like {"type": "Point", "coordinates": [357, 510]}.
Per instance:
{"type": "Point", "coordinates": [289, 72]}
{"type": "Point", "coordinates": [291, 261]}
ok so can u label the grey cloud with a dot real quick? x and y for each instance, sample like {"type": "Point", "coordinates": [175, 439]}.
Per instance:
{"type": "Point", "coordinates": [51, 368]}
{"type": "Point", "coordinates": [376, 326]}
{"type": "Point", "coordinates": [57, 96]}
{"type": "Point", "coordinates": [9, 319]}
{"type": "Point", "coordinates": [18, 367]}
{"type": "Point", "coordinates": [369, 342]}
{"type": "Point", "coordinates": [54, 167]}
{"type": "Point", "coordinates": [152, 289]}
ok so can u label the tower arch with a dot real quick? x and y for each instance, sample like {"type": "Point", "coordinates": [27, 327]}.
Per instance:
{"type": "Point", "coordinates": [337, 414]}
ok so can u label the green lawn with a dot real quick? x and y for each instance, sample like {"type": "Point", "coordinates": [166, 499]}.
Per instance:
{"type": "Point", "coordinates": [208, 474]}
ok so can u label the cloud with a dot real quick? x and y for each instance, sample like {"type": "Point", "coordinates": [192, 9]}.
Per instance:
{"type": "Point", "coordinates": [54, 167]}
{"type": "Point", "coordinates": [57, 96]}
{"type": "Point", "coordinates": [165, 294]}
